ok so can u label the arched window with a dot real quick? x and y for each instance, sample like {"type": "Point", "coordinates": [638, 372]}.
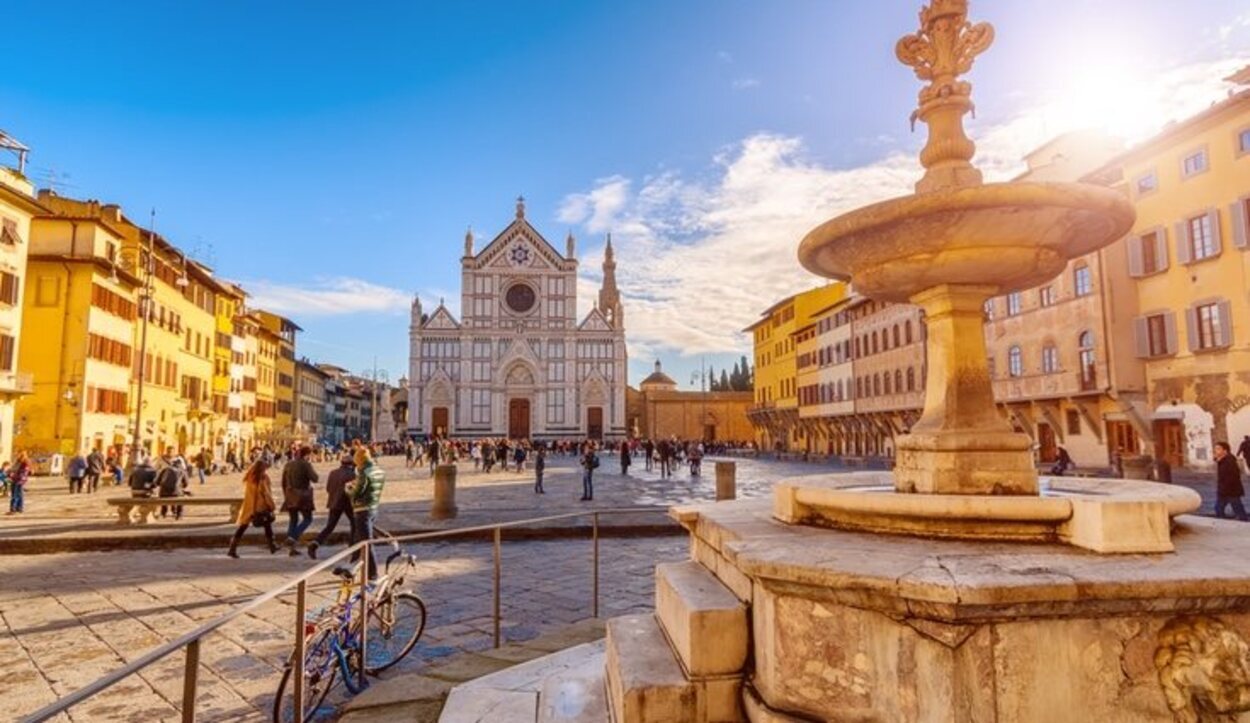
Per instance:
{"type": "Point", "coordinates": [876, 384]}
{"type": "Point", "coordinates": [911, 379]}
{"type": "Point", "coordinates": [907, 331]}
{"type": "Point", "coordinates": [859, 386]}
{"type": "Point", "coordinates": [857, 352]}
{"type": "Point", "coordinates": [875, 347]}
{"type": "Point", "coordinates": [887, 383]}
{"type": "Point", "coordinates": [896, 335]}
{"type": "Point", "coordinates": [1050, 359]}
{"type": "Point", "coordinates": [1089, 372]}
{"type": "Point", "coordinates": [1015, 362]}
{"type": "Point", "coordinates": [898, 379]}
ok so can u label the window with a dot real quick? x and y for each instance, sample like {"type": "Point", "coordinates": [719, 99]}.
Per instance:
{"type": "Point", "coordinates": [907, 331]}
{"type": "Point", "coordinates": [1082, 281]}
{"type": "Point", "coordinates": [1194, 163]}
{"type": "Point", "coordinates": [1208, 326]}
{"type": "Point", "coordinates": [886, 383]}
{"type": "Point", "coordinates": [479, 406]}
{"type": "Point", "coordinates": [1147, 253]}
{"type": "Point", "coordinates": [8, 288]}
{"type": "Point", "coordinates": [555, 406]}
{"type": "Point", "coordinates": [1156, 335]}
{"type": "Point", "coordinates": [1015, 362]}
{"type": "Point", "coordinates": [1046, 296]}
{"type": "Point", "coordinates": [989, 308]}
{"type": "Point", "coordinates": [1202, 242]}
{"type": "Point", "coordinates": [1013, 303]}
{"type": "Point", "coordinates": [896, 336]}
{"type": "Point", "coordinates": [898, 380]}
{"type": "Point", "coordinates": [1050, 359]}
{"type": "Point", "coordinates": [7, 345]}
{"type": "Point", "coordinates": [1147, 183]}
{"type": "Point", "coordinates": [1088, 369]}
{"type": "Point", "coordinates": [911, 379]}
{"type": "Point", "coordinates": [8, 233]}
{"type": "Point", "coordinates": [1243, 141]}
{"type": "Point", "coordinates": [1073, 419]}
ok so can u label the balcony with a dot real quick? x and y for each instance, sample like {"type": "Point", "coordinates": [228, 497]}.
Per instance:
{"type": "Point", "coordinates": [16, 383]}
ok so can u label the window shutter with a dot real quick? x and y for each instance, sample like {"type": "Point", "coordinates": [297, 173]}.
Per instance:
{"type": "Point", "coordinates": [1213, 217]}
{"type": "Point", "coordinates": [1169, 331]}
{"type": "Point", "coordinates": [1226, 324]}
{"type": "Point", "coordinates": [1237, 213]}
{"type": "Point", "coordinates": [1161, 248]}
{"type": "Point", "coordinates": [1182, 242]}
{"type": "Point", "coordinates": [1136, 266]}
{"type": "Point", "coordinates": [1191, 328]}
{"type": "Point", "coordinates": [1142, 333]}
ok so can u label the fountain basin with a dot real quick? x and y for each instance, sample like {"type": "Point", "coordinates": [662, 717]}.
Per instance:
{"type": "Point", "coordinates": [1011, 236]}
{"type": "Point", "coordinates": [1107, 516]}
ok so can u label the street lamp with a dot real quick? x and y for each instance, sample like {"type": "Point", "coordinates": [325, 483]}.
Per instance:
{"type": "Point", "coordinates": [702, 377]}
{"type": "Point", "coordinates": [374, 376]}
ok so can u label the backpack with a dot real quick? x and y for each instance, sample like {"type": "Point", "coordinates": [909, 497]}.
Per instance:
{"type": "Point", "coordinates": [594, 462]}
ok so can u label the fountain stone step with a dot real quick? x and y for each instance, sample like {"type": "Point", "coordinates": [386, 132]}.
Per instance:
{"type": "Point", "coordinates": [644, 680]}
{"type": "Point", "coordinates": [704, 620]}
{"type": "Point", "coordinates": [579, 696]}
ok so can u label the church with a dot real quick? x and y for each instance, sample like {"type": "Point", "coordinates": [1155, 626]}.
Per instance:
{"type": "Point", "coordinates": [518, 363]}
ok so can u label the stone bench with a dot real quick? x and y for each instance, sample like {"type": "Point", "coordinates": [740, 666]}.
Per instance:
{"type": "Point", "coordinates": [143, 507]}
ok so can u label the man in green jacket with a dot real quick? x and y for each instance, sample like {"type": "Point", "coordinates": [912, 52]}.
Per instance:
{"type": "Point", "coordinates": [366, 496]}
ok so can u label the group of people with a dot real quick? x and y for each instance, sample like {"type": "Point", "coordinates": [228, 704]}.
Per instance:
{"type": "Point", "coordinates": [353, 490]}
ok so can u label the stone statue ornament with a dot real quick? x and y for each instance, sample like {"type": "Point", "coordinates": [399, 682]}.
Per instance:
{"type": "Point", "coordinates": [1204, 669]}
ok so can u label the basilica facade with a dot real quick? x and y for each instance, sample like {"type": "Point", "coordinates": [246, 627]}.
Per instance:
{"type": "Point", "coordinates": [518, 363]}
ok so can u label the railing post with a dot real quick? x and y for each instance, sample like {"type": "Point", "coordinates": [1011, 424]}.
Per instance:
{"type": "Point", "coordinates": [364, 609]}
{"type": "Point", "coordinates": [297, 670]}
{"type": "Point", "coordinates": [594, 536]}
{"type": "Point", "coordinates": [498, 569]}
{"type": "Point", "coordinates": [190, 679]}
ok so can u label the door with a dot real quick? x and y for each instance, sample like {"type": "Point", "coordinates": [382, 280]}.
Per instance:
{"type": "Point", "coordinates": [1170, 441]}
{"type": "Point", "coordinates": [519, 419]}
{"type": "Point", "coordinates": [438, 422]}
{"type": "Point", "coordinates": [594, 422]}
{"type": "Point", "coordinates": [1122, 437]}
{"type": "Point", "coordinates": [1047, 450]}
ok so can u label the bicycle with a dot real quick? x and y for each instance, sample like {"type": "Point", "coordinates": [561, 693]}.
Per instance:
{"type": "Point", "coordinates": [332, 642]}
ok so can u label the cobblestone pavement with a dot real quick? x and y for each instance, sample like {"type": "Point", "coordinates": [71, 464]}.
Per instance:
{"type": "Point", "coordinates": [67, 619]}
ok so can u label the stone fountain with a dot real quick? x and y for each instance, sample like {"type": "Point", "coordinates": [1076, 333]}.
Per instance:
{"type": "Point", "coordinates": [961, 587]}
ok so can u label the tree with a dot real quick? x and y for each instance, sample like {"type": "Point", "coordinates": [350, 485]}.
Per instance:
{"type": "Point", "coordinates": [724, 384]}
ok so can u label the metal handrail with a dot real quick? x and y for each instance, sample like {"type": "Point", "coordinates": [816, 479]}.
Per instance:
{"type": "Point", "coordinates": [191, 640]}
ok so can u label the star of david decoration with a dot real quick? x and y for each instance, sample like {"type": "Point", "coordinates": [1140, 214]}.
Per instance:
{"type": "Point", "coordinates": [520, 255]}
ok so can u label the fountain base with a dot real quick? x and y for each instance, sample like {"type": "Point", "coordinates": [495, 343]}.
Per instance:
{"type": "Point", "coordinates": [965, 463]}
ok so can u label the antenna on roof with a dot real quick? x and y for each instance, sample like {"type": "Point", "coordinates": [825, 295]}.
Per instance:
{"type": "Point", "coordinates": [9, 143]}
{"type": "Point", "coordinates": [51, 178]}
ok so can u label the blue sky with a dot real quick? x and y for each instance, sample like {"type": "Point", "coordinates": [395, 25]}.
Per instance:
{"type": "Point", "coordinates": [330, 156]}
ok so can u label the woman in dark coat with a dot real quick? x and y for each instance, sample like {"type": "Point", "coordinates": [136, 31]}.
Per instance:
{"type": "Point", "coordinates": [1228, 487]}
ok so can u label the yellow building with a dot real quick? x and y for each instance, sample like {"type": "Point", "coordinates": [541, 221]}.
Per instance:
{"type": "Point", "coordinates": [17, 206]}
{"type": "Point", "coordinates": [227, 369]}
{"type": "Point", "coordinates": [1187, 254]}
{"type": "Point", "coordinates": [84, 304]}
{"type": "Point", "coordinates": [282, 330]}
{"type": "Point", "coordinates": [244, 376]}
{"type": "Point", "coordinates": [775, 415]}
{"type": "Point", "coordinates": [266, 430]}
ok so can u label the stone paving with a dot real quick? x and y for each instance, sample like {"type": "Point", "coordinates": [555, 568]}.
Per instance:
{"type": "Point", "coordinates": [67, 619]}
{"type": "Point", "coordinates": [56, 519]}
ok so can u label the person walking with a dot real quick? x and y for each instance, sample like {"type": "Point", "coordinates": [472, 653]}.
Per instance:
{"type": "Point", "coordinates": [540, 466]}
{"type": "Point", "coordinates": [590, 462]}
{"type": "Point", "coordinates": [1228, 487]}
{"type": "Point", "coordinates": [76, 470]}
{"type": "Point", "coordinates": [501, 455]}
{"type": "Point", "coordinates": [95, 468]}
{"type": "Point", "coordinates": [338, 503]}
{"type": "Point", "coordinates": [365, 497]}
{"type": "Point", "coordinates": [1243, 450]}
{"type": "Point", "coordinates": [626, 459]}
{"type": "Point", "coordinates": [203, 463]}
{"type": "Point", "coordinates": [648, 450]}
{"type": "Point", "coordinates": [432, 450]}
{"type": "Point", "coordinates": [298, 477]}
{"type": "Point", "coordinates": [19, 474]}
{"type": "Point", "coordinates": [518, 456]}
{"type": "Point", "coordinates": [257, 508]}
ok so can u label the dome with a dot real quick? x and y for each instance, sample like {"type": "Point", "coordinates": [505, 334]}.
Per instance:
{"type": "Point", "coordinates": [658, 380]}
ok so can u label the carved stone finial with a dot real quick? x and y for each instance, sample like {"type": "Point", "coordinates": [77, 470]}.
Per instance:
{"type": "Point", "coordinates": [1204, 669]}
{"type": "Point", "coordinates": [941, 51]}
{"type": "Point", "coordinates": [520, 206]}
{"type": "Point", "coordinates": [468, 242]}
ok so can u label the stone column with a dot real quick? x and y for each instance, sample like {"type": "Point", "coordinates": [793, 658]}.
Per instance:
{"type": "Point", "coordinates": [726, 480]}
{"type": "Point", "coordinates": [961, 444]}
{"type": "Point", "coordinates": [444, 507]}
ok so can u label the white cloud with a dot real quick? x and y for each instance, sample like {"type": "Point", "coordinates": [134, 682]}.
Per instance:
{"type": "Point", "coordinates": [746, 83]}
{"type": "Point", "coordinates": [327, 297]}
{"type": "Point", "coordinates": [700, 258]}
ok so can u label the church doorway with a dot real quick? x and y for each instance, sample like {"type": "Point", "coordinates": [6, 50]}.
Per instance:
{"type": "Point", "coordinates": [518, 419]}
{"type": "Point", "coordinates": [594, 422]}
{"type": "Point", "coordinates": [438, 421]}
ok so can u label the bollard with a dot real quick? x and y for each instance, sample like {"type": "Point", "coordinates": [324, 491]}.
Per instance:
{"type": "Point", "coordinates": [444, 507]}
{"type": "Point", "coordinates": [726, 480]}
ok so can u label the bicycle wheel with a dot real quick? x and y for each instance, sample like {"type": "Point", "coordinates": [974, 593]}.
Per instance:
{"type": "Point", "coordinates": [395, 625]}
{"type": "Point", "coordinates": [320, 669]}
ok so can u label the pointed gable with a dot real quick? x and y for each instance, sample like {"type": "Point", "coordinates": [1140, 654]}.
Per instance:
{"type": "Point", "coordinates": [594, 321]}
{"type": "Point", "coordinates": [519, 233]}
{"type": "Point", "coordinates": [441, 319]}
